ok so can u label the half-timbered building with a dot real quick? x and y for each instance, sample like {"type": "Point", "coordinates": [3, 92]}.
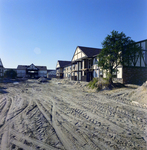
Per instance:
{"type": "Point", "coordinates": [136, 69]}
{"type": "Point", "coordinates": [84, 66]}
{"type": "Point", "coordinates": [60, 68]}
{"type": "Point", "coordinates": [31, 71]}
{"type": "Point", "coordinates": [67, 71]}
{"type": "Point", "coordinates": [84, 63]}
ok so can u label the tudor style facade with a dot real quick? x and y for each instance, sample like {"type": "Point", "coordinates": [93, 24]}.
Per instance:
{"type": "Point", "coordinates": [60, 68]}
{"type": "Point", "coordinates": [84, 64]}
{"type": "Point", "coordinates": [136, 71]}
{"type": "Point", "coordinates": [67, 71]}
{"type": "Point", "coordinates": [31, 71]}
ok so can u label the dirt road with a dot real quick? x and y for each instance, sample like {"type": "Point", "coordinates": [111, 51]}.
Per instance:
{"type": "Point", "coordinates": [59, 115]}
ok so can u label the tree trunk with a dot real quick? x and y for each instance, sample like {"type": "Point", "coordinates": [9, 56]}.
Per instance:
{"type": "Point", "coordinates": [110, 77]}
{"type": "Point", "coordinates": [110, 81]}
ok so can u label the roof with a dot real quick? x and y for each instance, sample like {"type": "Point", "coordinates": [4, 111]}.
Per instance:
{"type": "Point", "coordinates": [50, 70]}
{"type": "Point", "coordinates": [42, 67]}
{"type": "Point", "coordinates": [141, 41]}
{"type": "Point", "coordinates": [21, 67]}
{"type": "Point", "coordinates": [64, 63]}
{"type": "Point", "coordinates": [10, 69]}
{"type": "Point", "coordinates": [89, 51]}
{"type": "Point", "coordinates": [24, 67]}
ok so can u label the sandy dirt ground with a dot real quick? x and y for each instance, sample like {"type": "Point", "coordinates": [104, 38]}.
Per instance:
{"type": "Point", "coordinates": [66, 115]}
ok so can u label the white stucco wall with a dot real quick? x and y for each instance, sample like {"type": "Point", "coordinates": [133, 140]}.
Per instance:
{"type": "Point", "coordinates": [57, 66]}
{"type": "Point", "coordinates": [95, 66]}
{"type": "Point", "coordinates": [119, 73]}
{"type": "Point", "coordinates": [67, 72]}
{"type": "Point", "coordinates": [78, 54]}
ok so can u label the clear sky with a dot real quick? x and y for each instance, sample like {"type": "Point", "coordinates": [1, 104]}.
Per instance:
{"type": "Point", "coordinates": [44, 31]}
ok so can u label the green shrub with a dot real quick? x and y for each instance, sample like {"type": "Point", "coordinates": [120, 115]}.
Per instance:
{"type": "Point", "coordinates": [98, 83]}
{"type": "Point", "coordinates": [93, 84]}
{"type": "Point", "coordinates": [108, 76]}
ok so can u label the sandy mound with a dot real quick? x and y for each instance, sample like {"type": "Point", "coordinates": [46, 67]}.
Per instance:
{"type": "Point", "coordinates": [140, 94]}
{"type": "Point", "coordinates": [42, 79]}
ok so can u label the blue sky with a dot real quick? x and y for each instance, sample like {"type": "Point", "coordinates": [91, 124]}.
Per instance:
{"type": "Point", "coordinates": [44, 31]}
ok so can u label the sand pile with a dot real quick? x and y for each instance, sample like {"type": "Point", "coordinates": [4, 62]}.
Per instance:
{"type": "Point", "coordinates": [140, 94]}
{"type": "Point", "coordinates": [65, 81]}
{"type": "Point", "coordinates": [68, 82]}
{"type": "Point", "coordinates": [42, 79]}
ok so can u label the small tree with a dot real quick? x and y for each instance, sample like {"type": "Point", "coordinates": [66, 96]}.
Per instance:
{"type": "Point", "coordinates": [10, 74]}
{"type": "Point", "coordinates": [117, 49]}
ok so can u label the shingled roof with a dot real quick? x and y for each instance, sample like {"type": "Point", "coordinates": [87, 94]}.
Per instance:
{"type": "Point", "coordinates": [89, 51]}
{"type": "Point", "coordinates": [23, 67]}
{"type": "Point", "coordinates": [64, 63]}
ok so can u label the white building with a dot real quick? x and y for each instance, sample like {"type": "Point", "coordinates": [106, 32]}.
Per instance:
{"type": "Point", "coordinates": [84, 66]}
{"type": "Point", "coordinates": [31, 71]}
{"type": "Point", "coordinates": [67, 71]}
{"type": "Point", "coordinates": [60, 68]}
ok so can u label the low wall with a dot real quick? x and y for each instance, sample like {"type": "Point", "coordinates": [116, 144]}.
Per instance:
{"type": "Point", "coordinates": [134, 75]}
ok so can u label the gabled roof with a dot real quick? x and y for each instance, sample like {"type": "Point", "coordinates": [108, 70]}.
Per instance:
{"type": "Point", "coordinates": [89, 51]}
{"type": "Point", "coordinates": [24, 67]}
{"type": "Point", "coordinates": [64, 63]}
{"type": "Point", "coordinates": [86, 52]}
{"type": "Point", "coordinates": [42, 67]}
{"type": "Point", "coordinates": [21, 67]}
{"type": "Point", "coordinates": [141, 41]}
{"type": "Point", "coordinates": [32, 67]}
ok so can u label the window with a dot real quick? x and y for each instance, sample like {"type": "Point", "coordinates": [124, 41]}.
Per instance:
{"type": "Point", "coordinates": [96, 60]}
{"type": "Point", "coordinates": [114, 74]}
{"type": "Point", "coordinates": [101, 73]}
{"type": "Point", "coordinates": [95, 74]}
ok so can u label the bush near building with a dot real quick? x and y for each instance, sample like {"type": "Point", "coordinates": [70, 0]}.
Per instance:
{"type": "Point", "coordinates": [98, 83]}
